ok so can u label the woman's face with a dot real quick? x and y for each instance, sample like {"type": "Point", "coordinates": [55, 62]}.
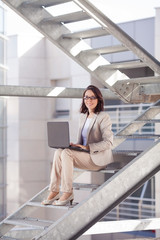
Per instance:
{"type": "Point", "coordinates": [90, 100]}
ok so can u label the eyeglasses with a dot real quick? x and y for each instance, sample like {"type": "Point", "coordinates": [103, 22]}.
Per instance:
{"type": "Point", "coordinates": [91, 98]}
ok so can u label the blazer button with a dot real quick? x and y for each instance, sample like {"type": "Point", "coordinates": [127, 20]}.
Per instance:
{"type": "Point", "coordinates": [95, 151]}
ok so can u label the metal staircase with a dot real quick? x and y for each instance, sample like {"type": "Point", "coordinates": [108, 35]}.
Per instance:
{"type": "Point", "coordinates": [75, 221]}
{"type": "Point", "coordinates": [26, 223]}
{"type": "Point", "coordinates": [57, 28]}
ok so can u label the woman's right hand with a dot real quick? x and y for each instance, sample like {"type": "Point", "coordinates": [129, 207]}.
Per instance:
{"type": "Point", "coordinates": [80, 146]}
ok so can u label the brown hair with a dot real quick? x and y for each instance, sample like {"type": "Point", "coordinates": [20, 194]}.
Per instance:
{"type": "Point", "coordinates": [98, 95]}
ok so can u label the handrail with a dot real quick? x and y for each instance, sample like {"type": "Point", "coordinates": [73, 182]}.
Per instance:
{"type": "Point", "coordinates": [127, 106]}
{"type": "Point", "coordinates": [137, 209]}
{"type": "Point", "coordinates": [125, 113]}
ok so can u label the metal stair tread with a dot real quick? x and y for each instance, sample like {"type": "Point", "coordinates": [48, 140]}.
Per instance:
{"type": "Point", "coordinates": [127, 152]}
{"type": "Point", "coordinates": [36, 223]}
{"type": "Point", "coordinates": [38, 204]}
{"type": "Point", "coordinates": [68, 18]}
{"type": "Point", "coordinates": [8, 238]}
{"type": "Point", "coordinates": [109, 169]}
{"type": "Point", "coordinates": [124, 65]}
{"type": "Point", "coordinates": [91, 33]}
{"type": "Point", "coordinates": [85, 186]}
{"type": "Point", "coordinates": [106, 50]}
{"type": "Point", "coordinates": [46, 3]}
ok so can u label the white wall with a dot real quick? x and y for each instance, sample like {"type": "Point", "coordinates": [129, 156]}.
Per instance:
{"type": "Point", "coordinates": [28, 163]}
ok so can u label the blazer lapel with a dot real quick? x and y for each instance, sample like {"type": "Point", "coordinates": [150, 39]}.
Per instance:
{"type": "Point", "coordinates": [91, 125]}
{"type": "Point", "coordinates": [82, 122]}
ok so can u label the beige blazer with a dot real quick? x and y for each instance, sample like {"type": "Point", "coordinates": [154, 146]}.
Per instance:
{"type": "Point", "coordinates": [99, 138]}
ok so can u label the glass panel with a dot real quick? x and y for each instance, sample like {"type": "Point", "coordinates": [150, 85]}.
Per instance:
{"type": "Point", "coordinates": [1, 171]}
{"type": "Point", "coordinates": [1, 20]}
{"type": "Point", "coordinates": [2, 109]}
{"type": "Point", "coordinates": [1, 51]}
{"type": "Point", "coordinates": [1, 76]}
{"type": "Point", "coordinates": [1, 204]}
{"type": "Point", "coordinates": [2, 119]}
{"type": "Point", "coordinates": [1, 144]}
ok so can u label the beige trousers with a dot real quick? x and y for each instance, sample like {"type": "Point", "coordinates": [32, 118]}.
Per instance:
{"type": "Point", "coordinates": [64, 162]}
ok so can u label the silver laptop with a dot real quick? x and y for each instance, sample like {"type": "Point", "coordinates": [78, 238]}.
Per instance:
{"type": "Point", "coordinates": [58, 136]}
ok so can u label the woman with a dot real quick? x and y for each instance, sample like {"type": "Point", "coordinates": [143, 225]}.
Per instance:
{"type": "Point", "coordinates": [95, 135]}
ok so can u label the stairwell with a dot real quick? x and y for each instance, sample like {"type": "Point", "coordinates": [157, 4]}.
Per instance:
{"type": "Point", "coordinates": [127, 175]}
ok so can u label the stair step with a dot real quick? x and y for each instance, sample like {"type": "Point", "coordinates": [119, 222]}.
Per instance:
{"type": "Point", "coordinates": [111, 168]}
{"type": "Point", "coordinates": [127, 152]}
{"type": "Point", "coordinates": [91, 33]}
{"type": "Point", "coordinates": [124, 65]}
{"type": "Point", "coordinates": [107, 50]}
{"type": "Point", "coordinates": [46, 3]}
{"type": "Point", "coordinates": [68, 18]}
{"type": "Point", "coordinates": [84, 186]}
{"type": "Point", "coordinates": [29, 222]}
{"type": "Point", "coordinates": [38, 204]}
{"type": "Point", "coordinates": [8, 238]}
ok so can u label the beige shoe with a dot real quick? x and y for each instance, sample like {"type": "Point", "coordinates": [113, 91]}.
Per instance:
{"type": "Point", "coordinates": [50, 201]}
{"type": "Point", "coordinates": [63, 203]}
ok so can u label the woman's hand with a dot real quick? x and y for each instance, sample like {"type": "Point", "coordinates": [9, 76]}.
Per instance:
{"type": "Point", "coordinates": [80, 146]}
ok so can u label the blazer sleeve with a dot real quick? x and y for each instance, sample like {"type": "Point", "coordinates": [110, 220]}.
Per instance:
{"type": "Point", "coordinates": [102, 136]}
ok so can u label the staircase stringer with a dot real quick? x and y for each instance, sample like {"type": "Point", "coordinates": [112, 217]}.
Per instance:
{"type": "Point", "coordinates": [106, 197]}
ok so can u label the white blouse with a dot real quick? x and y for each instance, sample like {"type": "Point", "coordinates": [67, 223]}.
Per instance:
{"type": "Point", "coordinates": [84, 131]}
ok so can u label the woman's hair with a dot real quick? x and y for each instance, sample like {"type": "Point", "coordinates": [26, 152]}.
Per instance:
{"type": "Point", "coordinates": [98, 95]}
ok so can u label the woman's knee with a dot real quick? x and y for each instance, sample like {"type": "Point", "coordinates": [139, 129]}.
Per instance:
{"type": "Point", "coordinates": [57, 154]}
{"type": "Point", "coordinates": [66, 153]}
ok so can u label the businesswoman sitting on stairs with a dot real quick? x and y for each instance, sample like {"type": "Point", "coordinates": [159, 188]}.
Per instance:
{"type": "Point", "coordinates": [95, 135]}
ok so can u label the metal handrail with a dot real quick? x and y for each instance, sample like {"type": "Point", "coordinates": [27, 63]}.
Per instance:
{"type": "Point", "coordinates": [137, 209]}
{"type": "Point", "coordinates": [122, 115]}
